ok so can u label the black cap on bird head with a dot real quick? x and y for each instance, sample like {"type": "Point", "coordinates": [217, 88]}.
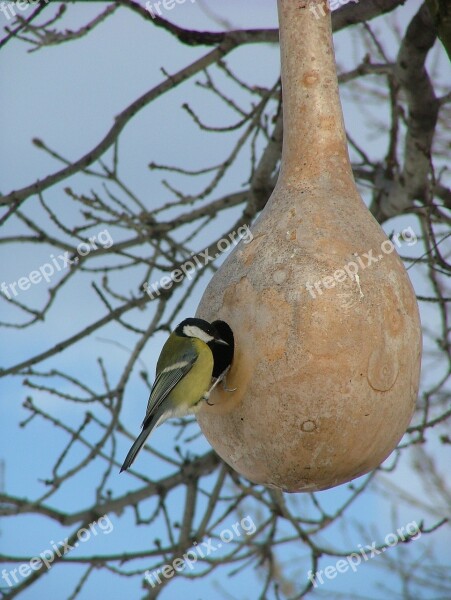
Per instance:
{"type": "Point", "coordinates": [200, 329]}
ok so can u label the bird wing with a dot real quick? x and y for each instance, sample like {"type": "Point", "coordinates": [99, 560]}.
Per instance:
{"type": "Point", "coordinates": [166, 381]}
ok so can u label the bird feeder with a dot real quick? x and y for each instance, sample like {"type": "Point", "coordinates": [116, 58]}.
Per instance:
{"type": "Point", "coordinates": [326, 324]}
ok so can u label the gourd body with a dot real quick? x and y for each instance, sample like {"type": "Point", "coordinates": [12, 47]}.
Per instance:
{"type": "Point", "coordinates": [326, 324]}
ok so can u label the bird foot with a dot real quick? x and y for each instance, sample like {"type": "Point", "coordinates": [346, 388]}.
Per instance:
{"type": "Point", "coordinates": [206, 395]}
{"type": "Point", "coordinates": [221, 378]}
{"type": "Point", "coordinates": [207, 400]}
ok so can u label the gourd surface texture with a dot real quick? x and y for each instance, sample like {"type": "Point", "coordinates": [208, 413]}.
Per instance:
{"type": "Point", "coordinates": [327, 376]}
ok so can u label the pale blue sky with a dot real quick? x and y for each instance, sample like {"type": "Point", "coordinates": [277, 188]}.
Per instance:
{"type": "Point", "coordinates": [68, 96]}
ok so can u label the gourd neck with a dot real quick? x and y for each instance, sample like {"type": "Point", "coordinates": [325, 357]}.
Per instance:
{"type": "Point", "coordinates": [314, 138]}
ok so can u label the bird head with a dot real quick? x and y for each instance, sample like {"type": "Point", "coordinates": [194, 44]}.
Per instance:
{"type": "Point", "coordinates": [200, 329]}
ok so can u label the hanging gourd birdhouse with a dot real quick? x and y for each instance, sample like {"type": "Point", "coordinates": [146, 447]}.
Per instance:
{"type": "Point", "coordinates": [325, 320]}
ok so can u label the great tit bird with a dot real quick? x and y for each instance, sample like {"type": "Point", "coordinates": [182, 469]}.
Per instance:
{"type": "Point", "coordinates": [183, 377]}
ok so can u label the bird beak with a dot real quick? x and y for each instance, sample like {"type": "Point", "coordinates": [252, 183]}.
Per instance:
{"type": "Point", "coordinates": [220, 341]}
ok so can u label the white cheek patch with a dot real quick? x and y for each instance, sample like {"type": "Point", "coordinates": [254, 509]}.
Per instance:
{"type": "Point", "coordinates": [196, 332]}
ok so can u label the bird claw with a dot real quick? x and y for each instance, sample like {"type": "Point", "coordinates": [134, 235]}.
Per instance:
{"type": "Point", "coordinates": [206, 395]}
{"type": "Point", "coordinates": [221, 378]}
{"type": "Point", "coordinates": [226, 389]}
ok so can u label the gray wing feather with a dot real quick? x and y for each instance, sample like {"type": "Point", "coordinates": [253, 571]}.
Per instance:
{"type": "Point", "coordinates": [164, 384]}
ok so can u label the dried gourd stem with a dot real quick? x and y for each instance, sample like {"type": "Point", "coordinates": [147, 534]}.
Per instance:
{"type": "Point", "coordinates": [314, 135]}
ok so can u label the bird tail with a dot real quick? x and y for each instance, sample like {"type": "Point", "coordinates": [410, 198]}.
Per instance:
{"type": "Point", "coordinates": [140, 441]}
